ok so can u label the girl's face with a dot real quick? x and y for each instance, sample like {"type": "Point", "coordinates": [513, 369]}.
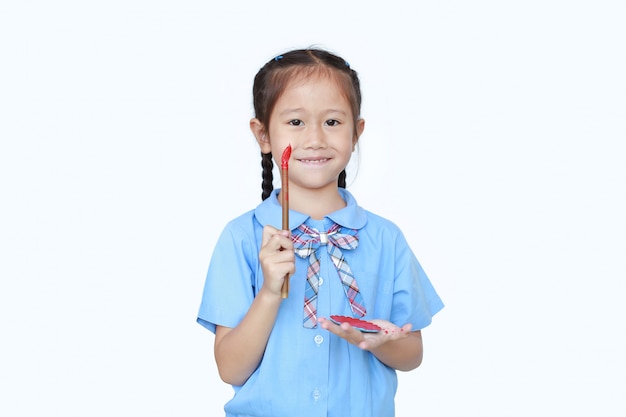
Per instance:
{"type": "Point", "coordinates": [315, 118]}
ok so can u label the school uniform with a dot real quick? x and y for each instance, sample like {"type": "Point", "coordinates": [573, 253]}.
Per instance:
{"type": "Point", "coordinates": [309, 372]}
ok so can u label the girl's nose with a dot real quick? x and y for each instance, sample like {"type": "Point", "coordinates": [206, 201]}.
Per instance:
{"type": "Point", "coordinates": [315, 137]}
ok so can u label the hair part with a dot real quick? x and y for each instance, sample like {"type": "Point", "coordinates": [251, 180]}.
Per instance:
{"type": "Point", "coordinates": [275, 76]}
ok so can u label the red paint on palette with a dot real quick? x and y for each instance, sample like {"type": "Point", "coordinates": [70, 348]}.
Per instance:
{"type": "Point", "coordinates": [362, 325]}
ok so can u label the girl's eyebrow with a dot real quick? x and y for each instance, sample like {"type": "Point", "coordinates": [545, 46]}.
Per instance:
{"type": "Point", "coordinates": [300, 110]}
{"type": "Point", "coordinates": [294, 110]}
{"type": "Point", "coordinates": [336, 111]}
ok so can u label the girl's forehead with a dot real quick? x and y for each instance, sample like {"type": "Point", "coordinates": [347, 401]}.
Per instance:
{"type": "Point", "coordinates": [314, 86]}
{"type": "Point", "coordinates": [314, 75]}
{"type": "Point", "coordinates": [313, 93]}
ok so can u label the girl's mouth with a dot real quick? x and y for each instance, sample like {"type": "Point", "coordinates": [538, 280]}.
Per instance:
{"type": "Point", "coordinates": [314, 161]}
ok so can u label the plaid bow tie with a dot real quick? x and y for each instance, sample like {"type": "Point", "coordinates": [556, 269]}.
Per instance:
{"type": "Point", "coordinates": [307, 241]}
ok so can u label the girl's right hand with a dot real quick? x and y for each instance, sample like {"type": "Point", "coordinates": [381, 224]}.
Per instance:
{"type": "Point", "coordinates": [277, 258]}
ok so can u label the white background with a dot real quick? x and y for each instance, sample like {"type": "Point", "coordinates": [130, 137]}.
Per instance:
{"type": "Point", "coordinates": [494, 137]}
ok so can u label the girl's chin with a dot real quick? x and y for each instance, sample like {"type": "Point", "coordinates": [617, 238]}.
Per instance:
{"type": "Point", "coordinates": [314, 185]}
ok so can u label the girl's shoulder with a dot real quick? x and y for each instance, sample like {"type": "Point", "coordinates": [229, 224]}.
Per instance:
{"type": "Point", "coordinates": [244, 220]}
{"type": "Point", "coordinates": [380, 223]}
{"type": "Point", "coordinates": [243, 226]}
{"type": "Point", "coordinates": [241, 234]}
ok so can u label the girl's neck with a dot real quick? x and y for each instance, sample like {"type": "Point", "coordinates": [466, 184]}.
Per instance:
{"type": "Point", "coordinates": [315, 203]}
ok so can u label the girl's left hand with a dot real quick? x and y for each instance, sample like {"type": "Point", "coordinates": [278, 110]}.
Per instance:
{"type": "Point", "coordinates": [367, 341]}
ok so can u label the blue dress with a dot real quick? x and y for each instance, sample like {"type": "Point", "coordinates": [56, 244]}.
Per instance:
{"type": "Point", "coordinates": [311, 372]}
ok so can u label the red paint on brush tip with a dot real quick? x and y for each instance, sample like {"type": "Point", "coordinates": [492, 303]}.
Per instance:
{"type": "Point", "coordinates": [286, 154]}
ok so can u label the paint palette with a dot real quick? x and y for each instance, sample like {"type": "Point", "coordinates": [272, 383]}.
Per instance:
{"type": "Point", "coordinates": [362, 325]}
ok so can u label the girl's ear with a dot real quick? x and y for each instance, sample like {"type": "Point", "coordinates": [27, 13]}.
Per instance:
{"type": "Point", "coordinates": [360, 126]}
{"type": "Point", "coordinates": [258, 130]}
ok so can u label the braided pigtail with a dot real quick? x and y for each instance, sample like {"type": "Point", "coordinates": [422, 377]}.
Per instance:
{"type": "Point", "coordinates": [268, 175]}
{"type": "Point", "coordinates": [342, 179]}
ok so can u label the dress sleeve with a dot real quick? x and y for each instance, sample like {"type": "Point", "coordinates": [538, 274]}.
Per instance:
{"type": "Point", "coordinates": [229, 286]}
{"type": "Point", "coordinates": [415, 300]}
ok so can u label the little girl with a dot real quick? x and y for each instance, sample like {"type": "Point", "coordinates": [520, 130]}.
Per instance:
{"type": "Point", "coordinates": [287, 356]}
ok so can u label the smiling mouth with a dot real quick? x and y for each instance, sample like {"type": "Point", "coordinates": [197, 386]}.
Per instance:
{"type": "Point", "coordinates": [314, 161]}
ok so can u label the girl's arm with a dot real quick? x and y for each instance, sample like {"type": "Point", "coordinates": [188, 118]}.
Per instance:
{"type": "Point", "coordinates": [396, 347]}
{"type": "Point", "coordinates": [238, 351]}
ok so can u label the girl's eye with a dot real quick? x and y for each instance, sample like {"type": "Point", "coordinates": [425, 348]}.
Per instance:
{"type": "Point", "coordinates": [295, 122]}
{"type": "Point", "coordinates": [332, 122]}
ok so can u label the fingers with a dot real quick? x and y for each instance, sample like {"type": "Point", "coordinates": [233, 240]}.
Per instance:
{"type": "Point", "coordinates": [345, 331]}
{"type": "Point", "coordinates": [277, 257]}
{"type": "Point", "coordinates": [268, 233]}
{"type": "Point", "coordinates": [367, 341]}
{"type": "Point", "coordinates": [277, 239]}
